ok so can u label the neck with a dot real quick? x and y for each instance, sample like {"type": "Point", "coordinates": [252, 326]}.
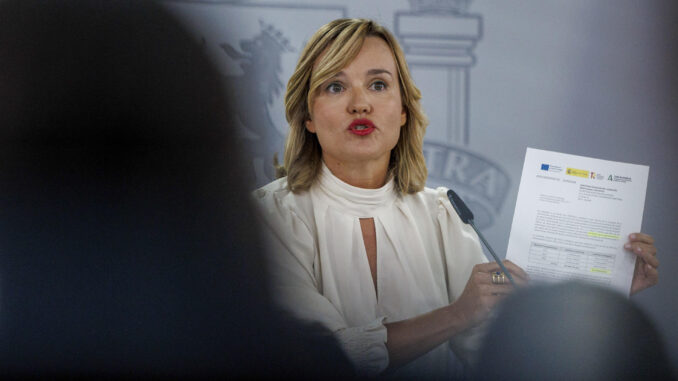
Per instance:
{"type": "Point", "coordinates": [368, 175]}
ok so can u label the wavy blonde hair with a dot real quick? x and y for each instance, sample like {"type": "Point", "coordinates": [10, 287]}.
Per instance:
{"type": "Point", "coordinates": [333, 47]}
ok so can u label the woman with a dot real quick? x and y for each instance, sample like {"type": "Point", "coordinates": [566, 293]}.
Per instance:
{"type": "Point", "coordinates": [358, 243]}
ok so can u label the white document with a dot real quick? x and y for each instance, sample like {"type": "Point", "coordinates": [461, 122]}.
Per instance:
{"type": "Point", "coordinates": [573, 216]}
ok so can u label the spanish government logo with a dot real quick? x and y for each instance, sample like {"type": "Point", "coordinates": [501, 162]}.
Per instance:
{"type": "Point", "coordinates": [577, 172]}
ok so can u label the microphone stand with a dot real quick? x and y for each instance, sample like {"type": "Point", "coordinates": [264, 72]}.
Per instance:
{"type": "Point", "coordinates": [467, 217]}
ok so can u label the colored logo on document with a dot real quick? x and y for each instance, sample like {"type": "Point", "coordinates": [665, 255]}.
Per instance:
{"type": "Point", "coordinates": [577, 172]}
{"type": "Point", "coordinates": [597, 176]}
{"type": "Point", "coordinates": [551, 168]}
{"type": "Point", "coordinates": [619, 179]}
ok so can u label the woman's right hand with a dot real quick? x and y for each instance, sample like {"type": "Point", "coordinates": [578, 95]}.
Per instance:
{"type": "Point", "coordinates": [481, 295]}
{"type": "Point", "coordinates": [411, 338]}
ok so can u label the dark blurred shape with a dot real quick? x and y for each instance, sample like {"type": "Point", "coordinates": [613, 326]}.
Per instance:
{"type": "Point", "coordinates": [572, 331]}
{"type": "Point", "coordinates": [127, 243]}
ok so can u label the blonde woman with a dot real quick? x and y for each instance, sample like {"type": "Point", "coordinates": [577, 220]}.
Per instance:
{"type": "Point", "coordinates": [357, 242]}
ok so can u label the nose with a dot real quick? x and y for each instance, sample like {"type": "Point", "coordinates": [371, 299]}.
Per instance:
{"type": "Point", "coordinates": [359, 103]}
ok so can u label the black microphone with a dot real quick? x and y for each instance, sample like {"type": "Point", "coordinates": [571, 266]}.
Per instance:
{"type": "Point", "coordinates": [467, 217]}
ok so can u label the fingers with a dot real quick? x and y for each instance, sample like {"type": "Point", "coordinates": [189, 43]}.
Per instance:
{"type": "Point", "coordinates": [516, 271]}
{"type": "Point", "coordinates": [647, 252]}
{"type": "Point", "coordinates": [644, 277]}
{"type": "Point", "coordinates": [501, 290]}
{"type": "Point", "coordinates": [642, 245]}
{"type": "Point", "coordinates": [490, 294]}
{"type": "Point", "coordinates": [651, 275]}
{"type": "Point", "coordinates": [481, 295]}
{"type": "Point", "coordinates": [642, 238]}
{"type": "Point", "coordinates": [484, 279]}
{"type": "Point", "coordinates": [519, 275]}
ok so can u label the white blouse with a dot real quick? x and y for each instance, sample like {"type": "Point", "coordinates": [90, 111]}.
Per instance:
{"type": "Point", "coordinates": [320, 271]}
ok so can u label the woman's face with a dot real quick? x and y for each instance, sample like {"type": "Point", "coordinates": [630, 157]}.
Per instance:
{"type": "Point", "coordinates": [358, 113]}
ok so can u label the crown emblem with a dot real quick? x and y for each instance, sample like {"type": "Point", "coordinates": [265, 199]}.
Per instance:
{"type": "Point", "coordinates": [276, 35]}
{"type": "Point", "coordinates": [440, 6]}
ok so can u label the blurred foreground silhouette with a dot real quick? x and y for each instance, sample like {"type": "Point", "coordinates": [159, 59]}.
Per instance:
{"type": "Point", "coordinates": [127, 243]}
{"type": "Point", "coordinates": [572, 331]}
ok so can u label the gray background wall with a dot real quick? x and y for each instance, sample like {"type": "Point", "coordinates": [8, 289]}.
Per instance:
{"type": "Point", "coordinates": [593, 78]}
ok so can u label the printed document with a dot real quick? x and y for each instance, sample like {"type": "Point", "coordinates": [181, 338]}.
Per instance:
{"type": "Point", "coordinates": [573, 216]}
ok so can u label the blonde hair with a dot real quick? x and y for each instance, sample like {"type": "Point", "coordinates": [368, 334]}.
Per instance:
{"type": "Point", "coordinates": [331, 49]}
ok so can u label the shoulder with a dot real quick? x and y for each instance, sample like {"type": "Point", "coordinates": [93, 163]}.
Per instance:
{"type": "Point", "coordinates": [434, 205]}
{"type": "Point", "coordinates": [275, 189]}
{"type": "Point", "coordinates": [276, 202]}
{"type": "Point", "coordinates": [434, 200]}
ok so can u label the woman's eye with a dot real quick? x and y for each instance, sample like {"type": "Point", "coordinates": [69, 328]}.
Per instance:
{"type": "Point", "coordinates": [334, 87]}
{"type": "Point", "coordinates": [378, 86]}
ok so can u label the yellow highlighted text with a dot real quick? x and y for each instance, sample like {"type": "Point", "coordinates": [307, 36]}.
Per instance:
{"type": "Point", "coordinates": [602, 235]}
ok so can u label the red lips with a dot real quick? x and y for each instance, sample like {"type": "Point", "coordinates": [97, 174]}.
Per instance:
{"type": "Point", "coordinates": [361, 127]}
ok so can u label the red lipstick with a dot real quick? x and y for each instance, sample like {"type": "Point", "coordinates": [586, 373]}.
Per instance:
{"type": "Point", "coordinates": [361, 127]}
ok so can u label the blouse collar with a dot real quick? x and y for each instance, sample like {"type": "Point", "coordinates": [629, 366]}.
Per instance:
{"type": "Point", "coordinates": [358, 201]}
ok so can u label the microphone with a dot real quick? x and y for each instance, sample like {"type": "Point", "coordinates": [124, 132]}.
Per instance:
{"type": "Point", "coordinates": [467, 217]}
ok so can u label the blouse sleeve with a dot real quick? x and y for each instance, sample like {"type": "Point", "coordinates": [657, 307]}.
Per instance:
{"type": "Point", "coordinates": [462, 252]}
{"type": "Point", "coordinates": [297, 288]}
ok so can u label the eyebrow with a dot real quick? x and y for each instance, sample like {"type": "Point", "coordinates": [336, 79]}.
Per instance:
{"type": "Point", "coordinates": [379, 71]}
{"type": "Point", "coordinates": [369, 72]}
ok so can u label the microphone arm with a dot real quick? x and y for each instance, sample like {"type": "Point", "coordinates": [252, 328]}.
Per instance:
{"type": "Point", "coordinates": [467, 217]}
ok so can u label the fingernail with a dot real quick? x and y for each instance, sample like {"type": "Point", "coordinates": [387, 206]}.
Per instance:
{"type": "Point", "coordinates": [627, 246]}
{"type": "Point", "coordinates": [639, 250]}
{"type": "Point", "coordinates": [632, 236]}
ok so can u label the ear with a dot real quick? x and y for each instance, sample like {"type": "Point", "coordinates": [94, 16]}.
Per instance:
{"type": "Point", "coordinates": [403, 117]}
{"type": "Point", "coordinates": [309, 126]}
